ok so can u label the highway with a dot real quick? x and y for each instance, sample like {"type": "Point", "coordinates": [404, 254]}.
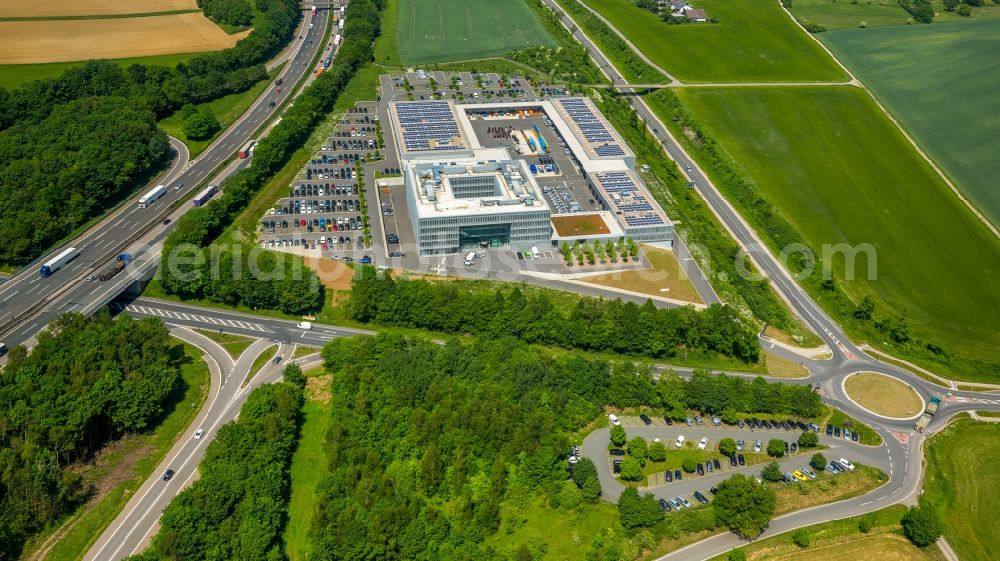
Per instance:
{"type": "Point", "coordinates": [905, 467]}
{"type": "Point", "coordinates": [26, 294]}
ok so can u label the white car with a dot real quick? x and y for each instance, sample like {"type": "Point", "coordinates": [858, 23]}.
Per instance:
{"type": "Point", "coordinates": [679, 442]}
{"type": "Point", "coordinates": [757, 446]}
{"type": "Point", "coordinates": [304, 325]}
{"type": "Point", "coordinates": [703, 443]}
{"type": "Point", "coordinates": [199, 433]}
{"type": "Point", "coordinates": [614, 419]}
{"type": "Point", "coordinates": [846, 464]}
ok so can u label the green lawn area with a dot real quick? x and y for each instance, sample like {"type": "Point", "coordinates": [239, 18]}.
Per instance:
{"type": "Point", "coordinates": [561, 530]}
{"type": "Point", "coordinates": [940, 81]}
{"type": "Point", "coordinates": [234, 344]}
{"type": "Point", "coordinates": [386, 49]}
{"type": "Point", "coordinates": [842, 14]}
{"type": "Point", "coordinates": [838, 418]}
{"type": "Point", "coordinates": [226, 109]}
{"type": "Point", "coordinates": [446, 30]}
{"type": "Point", "coordinates": [753, 41]}
{"type": "Point", "coordinates": [303, 350]}
{"type": "Point", "coordinates": [306, 471]}
{"type": "Point", "coordinates": [130, 463]}
{"type": "Point", "coordinates": [963, 483]}
{"type": "Point", "coordinates": [13, 75]}
{"type": "Point", "coordinates": [840, 172]}
{"type": "Point", "coordinates": [675, 459]}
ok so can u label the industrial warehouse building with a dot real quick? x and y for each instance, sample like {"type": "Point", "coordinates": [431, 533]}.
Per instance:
{"type": "Point", "coordinates": [462, 194]}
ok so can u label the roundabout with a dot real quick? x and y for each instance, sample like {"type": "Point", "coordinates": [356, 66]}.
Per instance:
{"type": "Point", "coordinates": [882, 395]}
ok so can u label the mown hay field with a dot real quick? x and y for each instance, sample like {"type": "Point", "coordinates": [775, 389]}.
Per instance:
{"type": "Point", "coordinates": [26, 42]}
{"type": "Point", "coordinates": [63, 8]}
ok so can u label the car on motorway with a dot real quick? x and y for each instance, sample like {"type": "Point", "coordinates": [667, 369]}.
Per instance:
{"type": "Point", "coordinates": [614, 419]}
{"type": "Point", "coordinates": [701, 498]}
{"type": "Point", "coordinates": [757, 445]}
{"type": "Point", "coordinates": [91, 278]}
{"type": "Point", "coordinates": [703, 443]}
{"type": "Point", "coordinates": [645, 419]}
{"type": "Point", "coordinates": [799, 475]}
{"type": "Point", "coordinates": [846, 464]}
{"type": "Point", "coordinates": [199, 433]}
{"type": "Point", "coordinates": [168, 475]}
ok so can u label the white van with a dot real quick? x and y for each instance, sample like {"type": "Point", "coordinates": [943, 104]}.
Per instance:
{"type": "Point", "coordinates": [470, 258]}
{"type": "Point", "coordinates": [304, 325]}
{"type": "Point", "coordinates": [614, 419]}
{"type": "Point", "coordinates": [679, 442]}
{"type": "Point", "coordinates": [534, 253]}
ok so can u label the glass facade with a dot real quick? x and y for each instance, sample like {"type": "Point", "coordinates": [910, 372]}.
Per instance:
{"type": "Point", "coordinates": [495, 235]}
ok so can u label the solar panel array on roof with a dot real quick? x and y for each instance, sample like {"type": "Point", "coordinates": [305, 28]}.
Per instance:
{"type": "Point", "coordinates": [634, 206]}
{"type": "Point", "coordinates": [592, 127]}
{"type": "Point", "coordinates": [428, 125]}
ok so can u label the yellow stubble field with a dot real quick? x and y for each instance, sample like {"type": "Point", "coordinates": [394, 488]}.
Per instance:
{"type": "Point", "coordinates": [50, 8]}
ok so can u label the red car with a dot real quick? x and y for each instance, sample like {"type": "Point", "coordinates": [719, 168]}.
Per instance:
{"type": "Point", "coordinates": [277, 90]}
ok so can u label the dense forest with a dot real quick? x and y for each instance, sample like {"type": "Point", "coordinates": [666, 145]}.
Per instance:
{"type": "Point", "coordinates": [238, 506]}
{"type": "Point", "coordinates": [60, 176]}
{"type": "Point", "coordinates": [591, 324]}
{"type": "Point", "coordinates": [286, 286]}
{"type": "Point", "coordinates": [86, 382]}
{"type": "Point", "coordinates": [434, 450]}
{"type": "Point", "coordinates": [232, 12]}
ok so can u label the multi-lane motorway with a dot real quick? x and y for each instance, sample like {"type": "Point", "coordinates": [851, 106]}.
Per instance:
{"type": "Point", "coordinates": [28, 301]}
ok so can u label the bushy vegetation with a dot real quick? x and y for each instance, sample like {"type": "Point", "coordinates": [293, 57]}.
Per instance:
{"type": "Point", "coordinates": [744, 506]}
{"type": "Point", "coordinates": [232, 12]}
{"type": "Point", "coordinates": [292, 289]}
{"type": "Point", "coordinates": [58, 175]}
{"type": "Point", "coordinates": [567, 61]}
{"type": "Point", "coordinates": [86, 382]}
{"type": "Point", "coordinates": [591, 324]}
{"type": "Point", "coordinates": [238, 507]}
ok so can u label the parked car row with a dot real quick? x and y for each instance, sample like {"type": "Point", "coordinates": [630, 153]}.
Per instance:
{"type": "Point", "coordinates": [323, 189]}
{"type": "Point", "coordinates": [836, 433]}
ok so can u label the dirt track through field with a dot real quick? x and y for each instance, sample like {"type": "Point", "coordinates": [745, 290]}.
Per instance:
{"type": "Point", "coordinates": [47, 8]}
{"type": "Point", "coordinates": [29, 42]}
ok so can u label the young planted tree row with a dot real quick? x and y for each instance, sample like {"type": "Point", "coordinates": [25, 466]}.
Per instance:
{"type": "Point", "coordinates": [86, 382]}
{"type": "Point", "coordinates": [591, 324]}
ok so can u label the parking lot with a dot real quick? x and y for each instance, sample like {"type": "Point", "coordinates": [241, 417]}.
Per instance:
{"type": "Point", "coordinates": [460, 86]}
{"type": "Point", "coordinates": [794, 464]}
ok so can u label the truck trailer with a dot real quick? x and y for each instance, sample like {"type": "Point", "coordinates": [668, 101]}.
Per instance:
{"type": "Point", "coordinates": [204, 196]}
{"type": "Point", "coordinates": [314, 11]}
{"type": "Point", "coordinates": [247, 149]}
{"type": "Point", "coordinates": [153, 194]}
{"type": "Point", "coordinates": [57, 262]}
{"type": "Point", "coordinates": [925, 419]}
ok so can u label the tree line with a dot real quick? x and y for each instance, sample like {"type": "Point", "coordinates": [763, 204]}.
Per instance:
{"type": "Point", "coordinates": [238, 507]}
{"type": "Point", "coordinates": [87, 382]}
{"type": "Point", "coordinates": [232, 12]}
{"type": "Point", "coordinates": [60, 174]}
{"type": "Point", "coordinates": [200, 226]}
{"type": "Point", "coordinates": [590, 324]}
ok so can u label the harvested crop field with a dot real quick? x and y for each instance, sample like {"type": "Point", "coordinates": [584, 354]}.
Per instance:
{"type": "Point", "coordinates": [51, 8]}
{"type": "Point", "coordinates": [580, 225]}
{"type": "Point", "coordinates": [28, 42]}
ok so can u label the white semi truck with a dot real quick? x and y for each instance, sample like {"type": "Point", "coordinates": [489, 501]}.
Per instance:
{"type": "Point", "coordinates": [153, 194]}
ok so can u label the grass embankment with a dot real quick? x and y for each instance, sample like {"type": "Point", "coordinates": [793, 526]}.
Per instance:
{"type": "Point", "coordinates": [963, 483]}
{"type": "Point", "coordinates": [664, 277]}
{"type": "Point", "coordinates": [781, 367]}
{"type": "Point", "coordinates": [633, 68]}
{"type": "Point", "coordinates": [752, 42]}
{"type": "Point", "coordinates": [827, 488]}
{"type": "Point", "coordinates": [303, 350]}
{"type": "Point", "coordinates": [13, 75]}
{"type": "Point", "coordinates": [259, 362]}
{"type": "Point", "coordinates": [121, 468]}
{"type": "Point", "coordinates": [307, 470]}
{"type": "Point", "coordinates": [790, 146]}
{"type": "Point", "coordinates": [838, 418]}
{"type": "Point", "coordinates": [883, 395]}
{"type": "Point", "coordinates": [234, 344]}
{"type": "Point", "coordinates": [226, 109]}
{"type": "Point", "coordinates": [448, 30]}
{"type": "Point", "coordinates": [960, 137]}
{"type": "Point", "coordinates": [988, 413]}
{"type": "Point", "coordinates": [841, 539]}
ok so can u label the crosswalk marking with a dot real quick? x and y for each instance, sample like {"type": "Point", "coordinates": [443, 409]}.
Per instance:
{"type": "Point", "coordinates": [170, 314]}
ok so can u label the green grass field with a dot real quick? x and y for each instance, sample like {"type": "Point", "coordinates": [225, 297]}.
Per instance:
{"type": "Point", "coordinates": [840, 172]}
{"type": "Point", "coordinates": [13, 75]}
{"type": "Point", "coordinates": [306, 471]}
{"type": "Point", "coordinates": [940, 81]}
{"type": "Point", "coordinates": [963, 483]}
{"type": "Point", "coordinates": [446, 30]}
{"type": "Point", "coordinates": [234, 344]}
{"type": "Point", "coordinates": [753, 41]}
{"type": "Point", "coordinates": [841, 14]}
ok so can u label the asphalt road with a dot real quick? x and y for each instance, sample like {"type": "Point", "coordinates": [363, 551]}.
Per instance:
{"type": "Point", "coordinates": [131, 531]}
{"type": "Point", "coordinates": [24, 293]}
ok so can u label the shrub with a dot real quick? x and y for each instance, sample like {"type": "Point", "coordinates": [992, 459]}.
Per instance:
{"type": "Point", "coordinates": [802, 538]}
{"type": "Point", "coordinates": [776, 448]}
{"type": "Point", "coordinates": [818, 461]}
{"type": "Point", "coordinates": [921, 526]}
{"type": "Point", "coordinates": [689, 465]}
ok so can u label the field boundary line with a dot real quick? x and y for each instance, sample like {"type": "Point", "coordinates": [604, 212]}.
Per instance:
{"type": "Point", "coordinates": [906, 134]}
